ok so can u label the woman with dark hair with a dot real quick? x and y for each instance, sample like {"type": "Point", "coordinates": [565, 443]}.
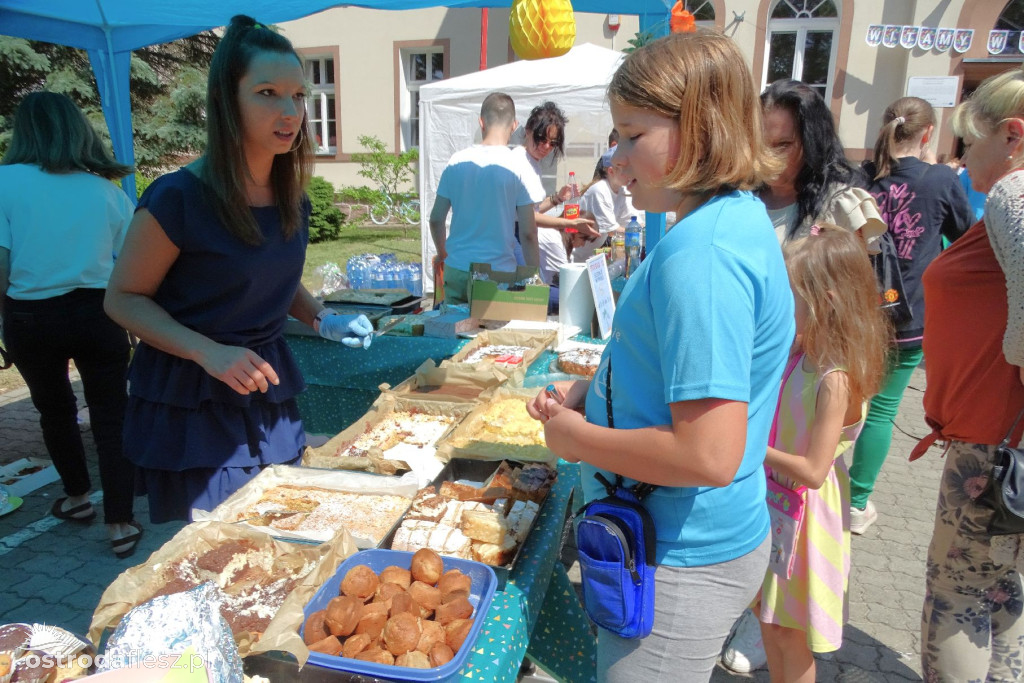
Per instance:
{"type": "Point", "coordinates": [819, 184]}
{"type": "Point", "coordinates": [62, 224]}
{"type": "Point", "coordinates": [209, 274]}
{"type": "Point", "coordinates": [545, 134]}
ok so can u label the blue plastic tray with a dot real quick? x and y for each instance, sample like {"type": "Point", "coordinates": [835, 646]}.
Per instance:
{"type": "Point", "coordinates": [484, 585]}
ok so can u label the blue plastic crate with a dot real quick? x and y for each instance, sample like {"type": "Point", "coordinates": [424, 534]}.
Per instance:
{"type": "Point", "coordinates": [481, 594]}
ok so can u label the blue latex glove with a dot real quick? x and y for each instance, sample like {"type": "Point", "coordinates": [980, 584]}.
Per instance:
{"type": "Point", "coordinates": [351, 330]}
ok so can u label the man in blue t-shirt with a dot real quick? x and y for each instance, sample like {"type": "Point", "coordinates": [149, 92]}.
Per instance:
{"type": "Point", "coordinates": [484, 190]}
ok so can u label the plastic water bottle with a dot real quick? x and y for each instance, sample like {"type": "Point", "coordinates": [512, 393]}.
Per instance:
{"type": "Point", "coordinates": [378, 276]}
{"type": "Point", "coordinates": [633, 238]}
{"type": "Point", "coordinates": [416, 280]}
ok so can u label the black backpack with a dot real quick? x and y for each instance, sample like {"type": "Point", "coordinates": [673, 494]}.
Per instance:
{"type": "Point", "coordinates": [892, 296]}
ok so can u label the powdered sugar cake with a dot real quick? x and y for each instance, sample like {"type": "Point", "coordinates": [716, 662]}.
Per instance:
{"type": "Point", "coordinates": [413, 428]}
{"type": "Point", "coordinates": [320, 512]}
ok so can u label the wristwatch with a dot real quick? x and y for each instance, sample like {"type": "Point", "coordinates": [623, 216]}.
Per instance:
{"type": "Point", "coordinates": [554, 199]}
{"type": "Point", "coordinates": [324, 312]}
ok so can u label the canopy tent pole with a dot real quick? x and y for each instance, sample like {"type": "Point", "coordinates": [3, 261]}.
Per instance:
{"type": "Point", "coordinates": [657, 25]}
{"type": "Point", "coordinates": [113, 81]}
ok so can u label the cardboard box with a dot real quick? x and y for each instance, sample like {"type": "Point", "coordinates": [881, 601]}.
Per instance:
{"type": "Point", "coordinates": [489, 302]}
{"type": "Point", "coordinates": [24, 476]}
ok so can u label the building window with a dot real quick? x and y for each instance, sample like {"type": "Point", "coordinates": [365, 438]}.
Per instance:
{"type": "Point", "coordinates": [803, 37]}
{"type": "Point", "coordinates": [420, 65]}
{"type": "Point", "coordinates": [321, 109]}
{"type": "Point", "coordinates": [1012, 20]}
{"type": "Point", "coordinates": [702, 10]}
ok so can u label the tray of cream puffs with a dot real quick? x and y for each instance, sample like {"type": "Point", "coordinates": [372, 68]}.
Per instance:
{"type": "Point", "coordinates": [476, 510]}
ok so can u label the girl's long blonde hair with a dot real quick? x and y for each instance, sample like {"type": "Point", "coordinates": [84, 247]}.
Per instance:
{"type": "Point", "coordinates": [846, 328]}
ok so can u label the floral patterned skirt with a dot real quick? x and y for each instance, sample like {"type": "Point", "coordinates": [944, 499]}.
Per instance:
{"type": "Point", "coordinates": [971, 625]}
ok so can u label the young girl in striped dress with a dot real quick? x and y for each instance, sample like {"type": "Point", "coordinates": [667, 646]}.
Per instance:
{"type": "Point", "coordinates": [836, 364]}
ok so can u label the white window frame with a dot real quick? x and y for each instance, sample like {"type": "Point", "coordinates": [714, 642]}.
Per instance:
{"type": "Point", "coordinates": [801, 27]}
{"type": "Point", "coordinates": [409, 119]}
{"type": "Point", "coordinates": [317, 106]}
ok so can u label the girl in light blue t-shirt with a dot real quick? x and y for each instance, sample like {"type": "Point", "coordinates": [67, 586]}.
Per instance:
{"type": "Point", "coordinates": [699, 342]}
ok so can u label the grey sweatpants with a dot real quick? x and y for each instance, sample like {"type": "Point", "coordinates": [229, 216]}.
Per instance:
{"type": "Point", "coordinates": [694, 608]}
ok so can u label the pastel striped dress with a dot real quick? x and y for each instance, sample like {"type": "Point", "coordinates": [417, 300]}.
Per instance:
{"type": "Point", "coordinates": [813, 599]}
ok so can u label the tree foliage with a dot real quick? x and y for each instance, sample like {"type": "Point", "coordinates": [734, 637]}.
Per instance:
{"type": "Point", "coordinates": [168, 92]}
{"type": "Point", "coordinates": [384, 168]}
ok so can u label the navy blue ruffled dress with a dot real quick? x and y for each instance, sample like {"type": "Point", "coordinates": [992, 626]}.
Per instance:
{"type": "Point", "coordinates": [195, 440]}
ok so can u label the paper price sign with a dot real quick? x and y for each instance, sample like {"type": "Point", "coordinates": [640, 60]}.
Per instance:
{"type": "Point", "coordinates": [601, 287]}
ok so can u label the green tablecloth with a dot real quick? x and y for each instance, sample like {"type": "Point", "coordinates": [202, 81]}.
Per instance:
{"type": "Point", "coordinates": [341, 383]}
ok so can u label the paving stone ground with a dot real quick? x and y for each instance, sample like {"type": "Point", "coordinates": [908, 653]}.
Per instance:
{"type": "Point", "coordinates": [55, 571]}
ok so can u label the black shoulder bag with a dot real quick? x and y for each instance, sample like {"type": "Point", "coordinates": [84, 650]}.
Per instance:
{"type": "Point", "coordinates": [1005, 492]}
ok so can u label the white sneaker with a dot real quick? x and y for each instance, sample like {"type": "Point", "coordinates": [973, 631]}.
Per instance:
{"type": "Point", "coordinates": [860, 520]}
{"type": "Point", "coordinates": [744, 650]}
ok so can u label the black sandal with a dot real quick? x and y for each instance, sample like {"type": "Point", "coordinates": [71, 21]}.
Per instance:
{"type": "Point", "coordinates": [80, 513]}
{"type": "Point", "coordinates": [125, 546]}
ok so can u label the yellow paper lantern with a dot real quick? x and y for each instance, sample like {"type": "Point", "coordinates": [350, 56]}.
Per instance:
{"type": "Point", "coordinates": [541, 28]}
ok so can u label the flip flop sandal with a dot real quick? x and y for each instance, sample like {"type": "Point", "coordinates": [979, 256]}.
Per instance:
{"type": "Point", "coordinates": [125, 546]}
{"type": "Point", "coordinates": [80, 513]}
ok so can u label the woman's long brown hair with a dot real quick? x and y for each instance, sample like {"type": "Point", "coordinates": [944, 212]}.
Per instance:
{"type": "Point", "coordinates": [224, 168]}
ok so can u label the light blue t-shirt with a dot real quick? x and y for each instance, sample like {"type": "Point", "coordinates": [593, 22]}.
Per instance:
{"type": "Point", "coordinates": [485, 184]}
{"type": "Point", "coordinates": [974, 198]}
{"type": "Point", "coordinates": [709, 314]}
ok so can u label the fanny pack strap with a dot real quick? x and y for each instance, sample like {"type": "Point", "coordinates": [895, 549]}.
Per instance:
{"type": "Point", "coordinates": [639, 490]}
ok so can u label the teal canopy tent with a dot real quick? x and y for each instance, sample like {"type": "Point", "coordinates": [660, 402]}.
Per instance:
{"type": "Point", "coordinates": [110, 29]}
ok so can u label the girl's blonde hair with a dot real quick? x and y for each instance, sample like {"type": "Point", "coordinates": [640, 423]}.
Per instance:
{"type": "Point", "coordinates": [51, 132]}
{"type": "Point", "coordinates": [702, 81]}
{"type": "Point", "coordinates": [997, 98]}
{"type": "Point", "coordinates": [830, 270]}
{"type": "Point", "coordinates": [905, 119]}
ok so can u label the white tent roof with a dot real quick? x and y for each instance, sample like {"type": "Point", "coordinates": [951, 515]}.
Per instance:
{"type": "Point", "coordinates": [449, 113]}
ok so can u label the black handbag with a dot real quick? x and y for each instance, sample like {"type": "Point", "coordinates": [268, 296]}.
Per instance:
{"type": "Point", "coordinates": [1005, 492]}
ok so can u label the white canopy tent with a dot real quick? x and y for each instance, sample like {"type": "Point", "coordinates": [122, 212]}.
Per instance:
{"type": "Point", "coordinates": [450, 112]}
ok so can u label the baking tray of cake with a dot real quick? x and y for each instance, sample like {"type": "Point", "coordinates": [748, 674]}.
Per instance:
{"type": "Point", "coordinates": [397, 434]}
{"type": "Point", "coordinates": [310, 505]}
{"type": "Point", "coordinates": [509, 351]}
{"type": "Point", "coordinates": [436, 516]}
{"type": "Point", "coordinates": [500, 429]}
{"type": "Point", "coordinates": [265, 582]}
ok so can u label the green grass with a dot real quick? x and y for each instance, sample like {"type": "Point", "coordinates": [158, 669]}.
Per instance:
{"type": "Point", "coordinates": [404, 243]}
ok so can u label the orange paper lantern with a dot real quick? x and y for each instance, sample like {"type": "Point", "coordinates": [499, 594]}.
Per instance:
{"type": "Point", "coordinates": [681, 21]}
{"type": "Point", "coordinates": [541, 28]}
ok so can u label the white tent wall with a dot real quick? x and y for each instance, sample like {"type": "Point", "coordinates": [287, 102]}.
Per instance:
{"type": "Point", "coordinates": [450, 111]}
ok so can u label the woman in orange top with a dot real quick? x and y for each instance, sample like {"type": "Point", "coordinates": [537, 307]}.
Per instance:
{"type": "Point", "coordinates": [974, 342]}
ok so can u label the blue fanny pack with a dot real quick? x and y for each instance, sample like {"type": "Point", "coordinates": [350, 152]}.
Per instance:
{"type": "Point", "coordinates": [615, 538]}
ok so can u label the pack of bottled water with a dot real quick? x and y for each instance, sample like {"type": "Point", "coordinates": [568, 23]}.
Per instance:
{"type": "Point", "coordinates": [384, 271]}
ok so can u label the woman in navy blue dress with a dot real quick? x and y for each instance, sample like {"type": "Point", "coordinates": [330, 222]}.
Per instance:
{"type": "Point", "coordinates": [209, 273]}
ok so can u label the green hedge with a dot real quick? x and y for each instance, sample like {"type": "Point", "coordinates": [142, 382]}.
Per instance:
{"type": "Point", "coordinates": [326, 220]}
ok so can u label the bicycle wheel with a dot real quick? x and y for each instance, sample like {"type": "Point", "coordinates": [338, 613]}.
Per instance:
{"type": "Point", "coordinates": [380, 211]}
{"type": "Point", "coordinates": [411, 211]}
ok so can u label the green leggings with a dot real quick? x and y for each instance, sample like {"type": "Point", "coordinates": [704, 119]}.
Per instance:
{"type": "Point", "coordinates": [873, 444]}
